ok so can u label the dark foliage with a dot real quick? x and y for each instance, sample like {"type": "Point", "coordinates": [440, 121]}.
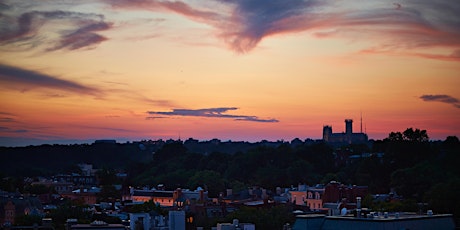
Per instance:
{"type": "Point", "coordinates": [47, 160]}
{"type": "Point", "coordinates": [418, 169]}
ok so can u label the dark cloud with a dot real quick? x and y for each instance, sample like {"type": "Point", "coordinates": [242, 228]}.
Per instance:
{"type": "Point", "coordinates": [27, 78]}
{"type": "Point", "coordinates": [256, 119]}
{"type": "Point", "coordinates": [154, 117]}
{"type": "Point", "coordinates": [244, 25]}
{"type": "Point", "coordinates": [7, 114]}
{"type": "Point", "coordinates": [74, 30]}
{"type": "Point", "coordinates": [252, 20]}
{"type": "Point", "coordinates": [106, 128]}
{"type": "Point", "coordinates": [210, 112]}
{"type": "Point", "coordinates": [9, 130]}
{"type": "Point", "coordinates": [7, 119]}
{"type": "Point", "coordinates": [82, 37]}
{"type": "Point", "coordinates": [419, 24]}
{"type": "Point", "coordinates": [4, 6]}
{"type": "Point", "coordinates": [21, 131]}
{"type": "Point", "coordinates": [442, 98]}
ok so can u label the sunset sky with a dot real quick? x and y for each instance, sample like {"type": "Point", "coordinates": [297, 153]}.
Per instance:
{"type": "Point", "coordinates": [75, 71]}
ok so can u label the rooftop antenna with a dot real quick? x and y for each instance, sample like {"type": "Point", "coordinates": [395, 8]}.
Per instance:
{"type": "Point", "coordinates": [361, 122]}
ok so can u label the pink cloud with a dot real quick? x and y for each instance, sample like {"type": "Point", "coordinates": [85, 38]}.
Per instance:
{"type": "Point", "coordinates": [242, 24]}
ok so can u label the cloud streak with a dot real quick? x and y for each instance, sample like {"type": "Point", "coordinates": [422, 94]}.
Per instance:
{"type": "Point", "coordinates": [8, 130]}
{"type": "Point", "coordinates": [209, 112]}
{"type": "Point", "coordinates": [441, 98]}
{"type": "Point", "coordinates": [65, 30]}
{"type": "Point", "coordinates": [6, 119]}
{"type": "Point", "coordinates": [14, 76]}
{"type": "Point", "coordinates": [121, 130]}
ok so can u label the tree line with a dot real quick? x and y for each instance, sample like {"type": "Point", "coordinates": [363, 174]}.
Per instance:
{"type": "Point", "coordinates": [416, 168]}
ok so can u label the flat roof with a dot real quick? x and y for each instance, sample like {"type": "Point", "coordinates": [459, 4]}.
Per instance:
{"type": "Point", "coordinates": [92, 226]}
{"type": "Point", "coordinates": [391, 217]}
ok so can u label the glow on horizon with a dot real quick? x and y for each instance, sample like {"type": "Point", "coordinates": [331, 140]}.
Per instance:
{"type": "Point", "coordinates": [122, 69]}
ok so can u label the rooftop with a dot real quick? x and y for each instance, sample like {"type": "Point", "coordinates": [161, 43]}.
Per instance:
{"type": "Point", "coordinates": [385, 221]}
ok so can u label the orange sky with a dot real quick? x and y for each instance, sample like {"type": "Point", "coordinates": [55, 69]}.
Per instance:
{"type": "Point", "coordinates": [234, 70]}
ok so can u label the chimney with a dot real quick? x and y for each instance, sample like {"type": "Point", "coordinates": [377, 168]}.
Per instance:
{"type": "Point", "coordinates": [201, 195]}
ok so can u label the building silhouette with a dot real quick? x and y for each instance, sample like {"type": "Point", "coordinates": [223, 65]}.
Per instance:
{"type": "Point", "coordinates": [348, 137]}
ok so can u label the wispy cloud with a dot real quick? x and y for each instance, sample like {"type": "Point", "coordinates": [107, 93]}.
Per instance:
{"type": "Point", "coordinates": [442, 98]}
{"type": "Point", "coordinates": [7, 119]}
{"type": "Point", "coordinates": [158, 102]}
{"type": "Point", "coordinates": [139, 97]}
{"type": "Point", "coordinates": [154, 117]}
{"type": "Point", "coordinates": [210, 112]}
{"type": "Point", "coordinates": [112, 116]}
{"type": "Point", "coordinates": [65, 30]}
{"type": "Point", "coordinates": [253, 20]}
{"type": "Point", "coordinates": [9, 130]}
{"type": "Point", "coordinates": [14, 76]}
{"type": "Point", "coordinates": [242, 24]}
{"type": "Point", "coordinates": [111, 129]}
{"type": "Point", "coordinates": [410, 27]}
{"type": "Point", "coordinates": [7, 114]}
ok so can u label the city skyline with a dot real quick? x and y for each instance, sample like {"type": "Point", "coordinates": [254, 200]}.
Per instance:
{"type": "Point", "coordinates": [233, 70]}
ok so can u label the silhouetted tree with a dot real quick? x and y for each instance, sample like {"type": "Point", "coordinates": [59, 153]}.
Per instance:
{"type": "Point", "coordinates": [208, 179]}
{"type": "Point", "coordinates": [109, 194]}
{"type": "Point", "coordinates": [395, 136]}
{"type": "Point", "coordinates": [27, 220]}
{"type": "Point", "coordinates": [170, 151]}
{"type": "Point", "coordinates": [107, 176]}
{"type": "Point", "coordinates": [452, 142]}
{"type": "Point", "coordinates": [416, 135]}
{"type": "Point", "coordinates": [38, 189]}
{"type": "Point", "coordinates": [415, 181]}
{"type": "Point", "coordinates": [409, 134]}
{"type": "Point", "coordinates": [443, 197]}
{"type": "Point", "coordinates": [68, 210]}
{"type": "Point", "coordinates": [267, 218]}
{"type": "Point", "coordinates": [407, 149]}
